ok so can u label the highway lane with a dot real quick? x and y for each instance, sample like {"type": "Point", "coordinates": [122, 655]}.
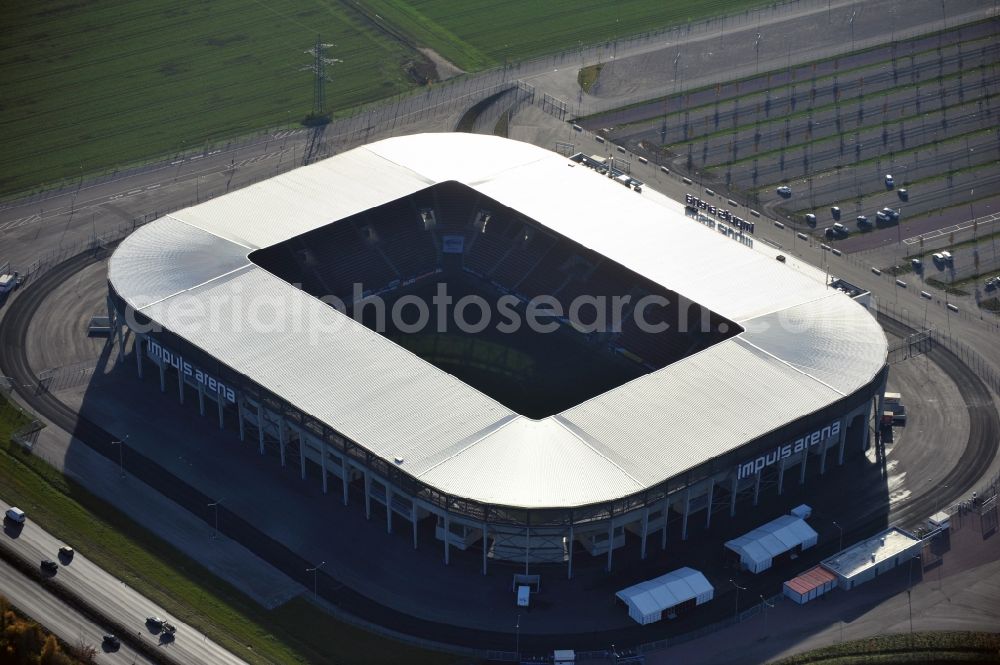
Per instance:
{"type": "Point", "coordinates": [112, 598]}
{"type": "Point", "coordinates": [58, 618]}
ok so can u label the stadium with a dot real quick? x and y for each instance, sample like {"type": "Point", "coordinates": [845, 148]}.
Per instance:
{"type": "Point", "coordinates": [292, 310]}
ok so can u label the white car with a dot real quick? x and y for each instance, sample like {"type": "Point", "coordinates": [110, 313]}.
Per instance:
{"type": "Point", "coordinates": [15, 515]}
{"type": "Point", "coordinates": [784, 190]}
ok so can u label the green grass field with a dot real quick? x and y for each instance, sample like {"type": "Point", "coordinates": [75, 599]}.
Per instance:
{"type": "Point", "coordinates": [87, 86]}
{"type": "Point", "coordinates": [475, 35]}
{"type": "Point", "coordinates": [91, 87]}
{"type": "Point", "coordinates": [295, 632]}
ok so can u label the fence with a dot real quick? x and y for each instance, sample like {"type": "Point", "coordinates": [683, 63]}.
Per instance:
{"type": "Point", "coordinates": [986, 370]}
{"type": "Point", "coordinates": [27, 434]}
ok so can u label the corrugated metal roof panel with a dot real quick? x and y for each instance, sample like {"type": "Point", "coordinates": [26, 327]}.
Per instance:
{"type": "Point", "coordinates": [292, 203]}
{"type": "Point", "coordinates": [328, 365]}
{"type": "Point", "coordinates": [168, 256]}
{"type": "Point", "coordinates": [827, 338]}
{"type": "Point", "coordinates": [529, 463]}
{"type": "Point", "coordinates": [655, 420]}
{"type": "Point", "coordinates": [675, 251]}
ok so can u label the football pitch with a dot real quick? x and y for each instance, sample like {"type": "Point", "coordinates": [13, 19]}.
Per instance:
{"type": "Point", "coordinates": [536, 374]}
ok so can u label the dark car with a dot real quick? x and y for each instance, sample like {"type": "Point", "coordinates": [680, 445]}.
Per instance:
{"type": "Point", "coordinates": [169, 628]}
{"type": "Point", "coordinates": [49, 566]}
{"type": "Point", "coordinates": [111, 643]}
{"type": "Point", "coordinates": [66, 553]}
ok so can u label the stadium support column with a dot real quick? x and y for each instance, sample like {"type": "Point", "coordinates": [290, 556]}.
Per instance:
{"type": "Point", "coordinates": [413, 518]}
{"type": "Point", "coordinates": [282, 435]}
{"type": "Point", "coordinates": [201, 400]}
{"type": "Point", "coordinates": [756, 488]}
{"type": "Point", "coordinates": [645, 532]}
{"type": "Point", "coordinates": [343, 472]}
{"type": "Point", "coordinates": [822, 459]}
{"type": "Point", "coordinates": [322, 462]}
{"type": "Point", "coordinates": [732, 496]}
{"type": "Point", "coordinates": [486, 532]}
{"type": "Point", "coordinates": [239, 414]}
{"type": "Point", "coordinates": [711, 497]}
{"type": "Point", "coordinates": [163, 377]}
{"type": "Point", "coordinates": [867, 424]}
{"type": "Point", "coordinates": [447, 539]}
{"type": "Point", "coordinates": [687, 510]}
{"type": "Point", "coordinates": [805, 461]}
{"type": "Point", "coordinates": [368, 495]}
{"type": "Point", "coordinates": [611, 541]}
{"type": "Point", "coordinates": [260, 426]}
{"type": "Point", "coordinates": [222, 414]}
{"type": "Point", "coordinates": [180, 381]}
{"type": "Point", "coordinates": [138, 355]}
{"type": "Point", "coordinates": [112, 318]}
{"type": "Point", "coordinates": [115, 320]}
{"type": "Point", "coordinates": [388, 508]}
{"type": "Point", "coordinates": [781, 475]}
{"type": "Point", "coordinates": [302, 455]}
{"type": "Point", "coordinates": [843, 439]}
{"type": "Point", "coordinates": [666, 517]}
{"type": "Point", "coordinates": [569, 546]}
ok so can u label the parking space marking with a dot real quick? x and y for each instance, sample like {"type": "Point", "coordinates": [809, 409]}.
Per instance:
{"type": "Point", "coordinates": [954, 228]}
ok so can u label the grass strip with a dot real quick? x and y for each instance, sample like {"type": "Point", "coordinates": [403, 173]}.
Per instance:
{"type": "Point", "coordinates": [921, 647]}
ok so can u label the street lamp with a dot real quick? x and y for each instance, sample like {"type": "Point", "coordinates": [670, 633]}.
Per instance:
{"type": "Point", "coordinates": [765, 606]}
{"type": "Point", "coordinates": [739, 588]}
{"type": "Point", "coordinates": [517, 637]}
{"type": "Point", "coordinates": [215, 508]}
{"type": "Point", "coordinates": [121, 455]}
{"type": "Point", "coordinates": [314, 571]}
{"type": "Point", "coordinates": [840, 543]}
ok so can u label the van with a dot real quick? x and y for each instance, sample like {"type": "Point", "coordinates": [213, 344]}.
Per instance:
{"type": "Point", "coordinates": [810, 219]}
{"type": "Point", "coordinates": [15, 515]}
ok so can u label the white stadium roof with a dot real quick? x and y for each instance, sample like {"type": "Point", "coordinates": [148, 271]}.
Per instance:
{"type": "Point", "coordinates": [804, 345]}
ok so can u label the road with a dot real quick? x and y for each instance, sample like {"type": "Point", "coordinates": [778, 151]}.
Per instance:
{"type": "Point", "coordinates": [58, 618]}
{"type": "Point", "coordinates": [110, 597]}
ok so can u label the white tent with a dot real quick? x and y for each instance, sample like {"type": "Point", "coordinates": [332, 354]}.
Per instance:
{"type": "Point", "coordinates": [647, 600]}
{"type": "Point", "coordinates": [758, 548]}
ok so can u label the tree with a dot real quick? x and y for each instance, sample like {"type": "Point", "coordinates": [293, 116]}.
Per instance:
{"type": "Point", "coordinates": [49, 651]}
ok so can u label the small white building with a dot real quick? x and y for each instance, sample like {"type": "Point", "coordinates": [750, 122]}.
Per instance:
{"type": "Point", "coordinates": [870, 558]}
{"type": "Point", "coordinates": [784, 537]}
{"type": "Point", "coordinates": [673, 593]}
